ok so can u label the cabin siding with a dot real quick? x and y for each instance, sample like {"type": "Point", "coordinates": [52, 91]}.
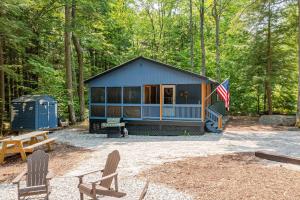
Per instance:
{"type": "Point", "coordinates": [143, 72]}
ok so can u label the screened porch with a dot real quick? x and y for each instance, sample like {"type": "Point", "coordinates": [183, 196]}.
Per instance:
{"type": "Point", "coordinates": [147, 102]}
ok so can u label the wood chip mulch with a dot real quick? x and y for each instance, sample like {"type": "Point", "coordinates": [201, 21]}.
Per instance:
{"type": "Point", "coordinates": [246, 123]}
{"type": "Point", "coordinates": [228, 177]}
{"type": "Point", "coordinates": [63, 157]}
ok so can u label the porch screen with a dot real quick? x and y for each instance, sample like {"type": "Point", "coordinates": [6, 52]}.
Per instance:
{"type": "Point", "coordinates": [114, 111]}
{"type": "Point", "coordinates": [132, 95]}
{"type": "Point", "coordinates": [132, 112]}
{"type": "Point", "coordinates": [114, 95]}
{"type": "Point", "coordinates": [188, 94]}
{"type": "Point", "coordinates": [97, 95]}
{"type": "Point", "coordinates": [97, 111]}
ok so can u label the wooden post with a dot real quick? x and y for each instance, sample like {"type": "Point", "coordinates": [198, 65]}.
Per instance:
{"type": "Point", "coordinates": [20, 148]}
{"type": "Point", "coordinates": [160, 102]}
{"type": "Point", "coordinates": [203, 97]}
{"type": "Point", "coordinates": [220, 123]}
{"type": "Point", "coordinates": [208, 93]}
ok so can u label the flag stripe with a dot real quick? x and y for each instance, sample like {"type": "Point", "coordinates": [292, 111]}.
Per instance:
{"type": "Point", "coordinates": [223, 91]}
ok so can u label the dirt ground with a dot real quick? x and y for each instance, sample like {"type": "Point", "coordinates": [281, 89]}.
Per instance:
{"type": "Point", "coordinates": [63, 157]}
{"type": "Point", "coordinates": [228, 177]}
{"type": "Point", "coordinates": [246, 123]}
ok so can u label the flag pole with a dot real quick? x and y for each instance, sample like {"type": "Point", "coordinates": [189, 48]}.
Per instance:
{"type": "Point", "coordinates": [215, 89]}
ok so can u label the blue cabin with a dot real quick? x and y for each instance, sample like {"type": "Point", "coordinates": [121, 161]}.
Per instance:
{"type": "Point", "coordinates": [34, 112]}
{"type": "Point", "coordinates": [153, 98]}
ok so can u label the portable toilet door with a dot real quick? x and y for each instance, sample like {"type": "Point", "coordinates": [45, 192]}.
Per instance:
{"type": "Point", "coordinates": [23, 115]}
{"type": "Point", "coordinates": [43, 115]}
{"type": "Point", "coordinates": [52, 114]}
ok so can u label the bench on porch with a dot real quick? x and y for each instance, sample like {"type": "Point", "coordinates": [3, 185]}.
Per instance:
{"type": "Point", "coordinates": [114, 127]}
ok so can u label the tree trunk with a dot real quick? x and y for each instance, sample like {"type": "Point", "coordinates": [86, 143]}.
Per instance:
{"type": "Point", "coordinates": [298, 105]}
{"type": "Point", "coordinates": [2, 87]}
{"type": "Point", "coordinates": [191, 35]}
{"type": "Point", "coordinates": [79, 52]}
{"type": "Point", "coordinates": [68, 66]}
{"type": "Point", "coordinates": [216, 15]}
{"type": "Point", "coordinates": [269, 63]}
{"type": "Point", "coordinates": [258, 100]}
{"type": "Point", "coordinates": [203, 61]}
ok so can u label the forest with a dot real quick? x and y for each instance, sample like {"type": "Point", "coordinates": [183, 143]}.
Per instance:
{"type": "Point", "coordinates": [52, 46]}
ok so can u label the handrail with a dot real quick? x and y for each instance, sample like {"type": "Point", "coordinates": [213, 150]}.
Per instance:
{"type": "Point", "coordinates": [214, 116]}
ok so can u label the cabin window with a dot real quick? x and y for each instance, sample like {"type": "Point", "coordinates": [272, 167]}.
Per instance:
{"type": "Point", "coordinates": [114, 94]}
{"type": "Point", "coordinates": [132, 95]}
{"type": "Point", "coordinates": [114, 111]}
{"type": "Point", "coordinates": [152, 94]}
{"type": "Point", "coordinates": [132, 112]}
{"type": "Point", "coordinates": [188, 94]}
{"type": "Point", "coordinates": [97, 95]}
{"type": "Point", "coordinates": [97, 111]}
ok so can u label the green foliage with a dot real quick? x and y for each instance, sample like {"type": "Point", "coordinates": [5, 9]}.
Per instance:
{"type": "Point", "coordinates": [112, 32]}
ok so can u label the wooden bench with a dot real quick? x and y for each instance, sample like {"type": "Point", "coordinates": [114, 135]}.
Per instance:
{"type": "Point", "coordinates": [113, 123]}
{"type": "Point", "coordinates": [44, 142]}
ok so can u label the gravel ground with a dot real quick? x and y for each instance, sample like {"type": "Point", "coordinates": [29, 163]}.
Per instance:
{"type": "Point", "coordinates": [228, 176]}
{"type": "Point", "coordinates": [139, 153]}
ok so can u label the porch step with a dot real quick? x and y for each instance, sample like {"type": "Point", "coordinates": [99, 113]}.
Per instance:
{"type": "Point", "coordinates": [212, 127]}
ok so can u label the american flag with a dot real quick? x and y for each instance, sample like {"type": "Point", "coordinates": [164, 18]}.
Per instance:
{"type": "Point", "coordinates": [223, 91]}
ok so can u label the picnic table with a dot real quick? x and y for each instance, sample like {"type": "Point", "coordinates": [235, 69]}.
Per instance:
{"type": "Point", "coordinates": [25, 143]}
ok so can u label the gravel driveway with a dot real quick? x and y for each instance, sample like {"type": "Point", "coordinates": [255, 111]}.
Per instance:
{"type": "Point", "coordinates": [142, 152]}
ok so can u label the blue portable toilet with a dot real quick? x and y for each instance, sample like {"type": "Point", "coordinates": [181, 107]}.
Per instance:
{"type": "Point", "coordinates": [34, 112]}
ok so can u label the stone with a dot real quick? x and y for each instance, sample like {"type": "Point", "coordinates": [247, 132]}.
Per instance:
{"type": "Point", "coordinates": [278, 120]}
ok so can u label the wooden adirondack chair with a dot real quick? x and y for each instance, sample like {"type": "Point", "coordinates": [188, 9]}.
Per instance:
{"type": "Point", "coordinates": [142, 196]}
{"type": "Point", "coordinates": [144, 192]}
{"type": "Point", "coordinates": [37, 176]}
{"type": "Point", "coordinates": [103, 185]}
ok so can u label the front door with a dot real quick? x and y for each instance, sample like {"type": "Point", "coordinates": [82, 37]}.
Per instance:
{"type": "Point", "coordinates": [168, 101]}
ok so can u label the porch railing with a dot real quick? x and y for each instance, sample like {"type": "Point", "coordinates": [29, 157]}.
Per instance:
{"type": "Point", "coordinates": [182, 111]}
{"type": "Point", "coordinates": [151, 111]}
{"type": "Point", "coordinates": [214, 116]}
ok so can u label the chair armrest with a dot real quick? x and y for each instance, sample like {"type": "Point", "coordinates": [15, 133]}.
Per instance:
{"type": "Point", "coordinates": [106, 177]}
{"type": "Point", "coordinates": [90, 172]}
{"type": "Point", "coordinates": [50, 175]}
{"type": "Point", "coordinates": [19, 177]}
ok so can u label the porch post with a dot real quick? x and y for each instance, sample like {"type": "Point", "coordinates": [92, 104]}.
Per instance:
{"type": "Point", "coordinates": [203, 97]}
{"type": "Point", "coordinates": [208, 93]}
{"type": "Point", "coordinates": [160, 102]}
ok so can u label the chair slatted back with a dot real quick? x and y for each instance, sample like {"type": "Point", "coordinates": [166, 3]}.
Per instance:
{"type": "Point", "coordinates": [111, 166]}
{"type": "Point", "coordinates": [37, 168]}
{"type": "Point", "coordinates": [144, 192]}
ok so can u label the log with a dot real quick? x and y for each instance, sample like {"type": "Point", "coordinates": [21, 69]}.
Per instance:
{"type": "Point", "coordinates": [277, 158]}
